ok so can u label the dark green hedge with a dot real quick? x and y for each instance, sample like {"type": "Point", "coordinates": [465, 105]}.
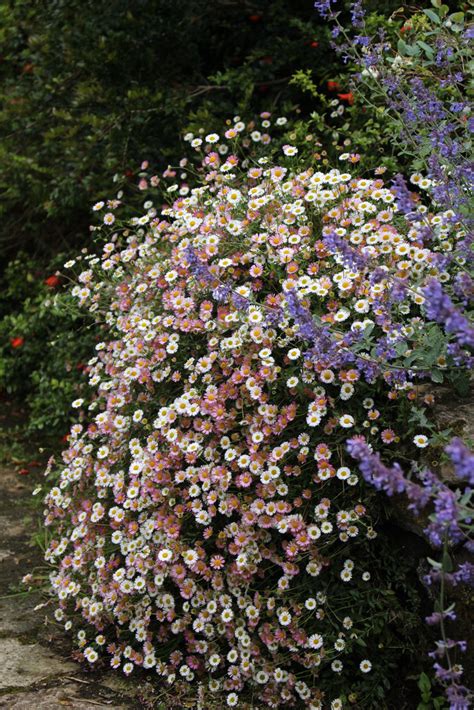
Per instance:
{"type": "Point", "coordinates": [90, 88]}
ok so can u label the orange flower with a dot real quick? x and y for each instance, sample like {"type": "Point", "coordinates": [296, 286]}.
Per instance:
{"type": "Point", "coordinates": [349, 97]}
{"type": "Point", "coordinates": [52, 281]}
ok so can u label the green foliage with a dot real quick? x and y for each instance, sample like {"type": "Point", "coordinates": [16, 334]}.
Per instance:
{"type": "Point", "coordinates": [44, 343]}
{"type": "Point", "coordinates": [91, 89]}
{"type": "Point", "coordinates": [428, 701]}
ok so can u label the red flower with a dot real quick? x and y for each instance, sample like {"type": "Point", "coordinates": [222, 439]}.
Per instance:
{"type": "Point", "coordinates": [23, 471]}
{"type": "Point", "coordinates": [347, 97]}
{"type": "Point", "coordinates": [17, 342]}
{"type": "Point", "coordinates": [255, 18]}
{"type": "Point", "coordinates": [314, 43]}
{"type": "Point", "coordinates": [52, 281]}
{"type": "Point", "coordinates": [333, 86]}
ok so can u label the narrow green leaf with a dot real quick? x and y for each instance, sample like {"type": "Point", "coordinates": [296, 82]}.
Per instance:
{"type": "Point", "coordinates": [428, 50]}
{"type": "Point", "coordinates": [412, 50]}
{"type": "Point", "coordinates": [424, 685]}
{"type": "Point", "coordinates": [434, 563]}
{"type": "Point", "coordinates": [447, 562]}
{"type": "Point", "coordinates": [402, 47]}
{"type": "Point", "coordinates": [433, 16]}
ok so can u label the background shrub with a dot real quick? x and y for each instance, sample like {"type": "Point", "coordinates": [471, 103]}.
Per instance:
{"type": "Point", "coordinates": [90, 89]}
{"type": "Point", "coordinates": [44, 343]}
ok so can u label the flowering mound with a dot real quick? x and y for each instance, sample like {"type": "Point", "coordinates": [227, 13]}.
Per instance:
{"type": "Point", "coordinates": [206, 518]}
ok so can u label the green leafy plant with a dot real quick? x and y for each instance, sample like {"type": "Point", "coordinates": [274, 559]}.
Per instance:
{"type": "Point", "coordinates": [44, 343]}
{"type": "Point", "coordinates": [428, 700]}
